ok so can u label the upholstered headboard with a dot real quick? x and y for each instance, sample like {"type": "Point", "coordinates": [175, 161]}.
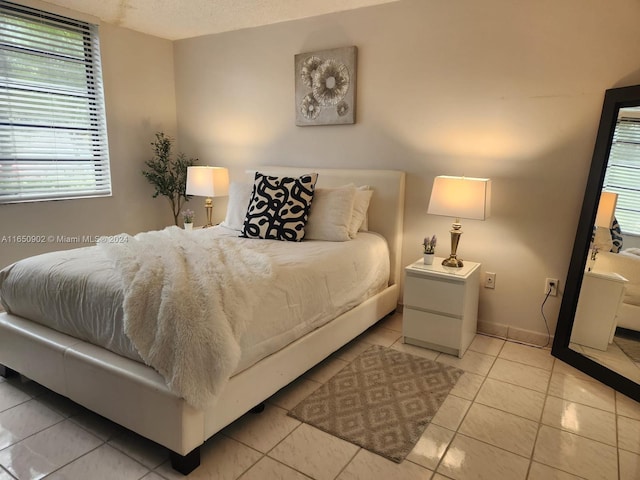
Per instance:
{"type": "Point", "coordinates": [386, 210]}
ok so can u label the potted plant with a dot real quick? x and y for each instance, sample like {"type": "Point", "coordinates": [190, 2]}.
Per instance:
{"type": "Point", "coordinates": [429, 246]}
{"type": "Point", "coordinates": [187, 219]}
{"type": "Point", "coordinates": [168, 175]}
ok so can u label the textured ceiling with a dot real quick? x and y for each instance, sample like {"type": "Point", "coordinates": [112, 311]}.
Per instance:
{"type": "Point", "coordinates": [177, 19]}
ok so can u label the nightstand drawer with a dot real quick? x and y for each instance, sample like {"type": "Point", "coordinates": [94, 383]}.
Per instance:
{"type": "Point", "coordinates": [431, 328]}
{"type": "Point", "coordinates": [435, 296]}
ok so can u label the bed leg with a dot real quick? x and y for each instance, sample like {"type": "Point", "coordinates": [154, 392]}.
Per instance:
{"type": "Point", "coordinates": [6, 372]}
{"type": "Point", "coordinates": [185, 464]}
{"type": "Point", "coordinates": [258, 408]}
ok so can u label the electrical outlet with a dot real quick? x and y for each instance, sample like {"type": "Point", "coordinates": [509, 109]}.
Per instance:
{"type": "Point", "coordinates": [489, 280]}
{"type": "Point", "coordinates": [551, 287]}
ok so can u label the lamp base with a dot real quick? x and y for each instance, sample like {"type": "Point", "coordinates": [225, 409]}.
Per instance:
{"type": "Point", "coordinates": [208, 205]}
{"type": "Point", "coordinates": [456, 231]}
{"type": "Point", "coordinates": [452, 261]}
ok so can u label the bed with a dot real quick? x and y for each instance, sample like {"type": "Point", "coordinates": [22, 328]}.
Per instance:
{"type": "Point", "coordinates": [137, 397]}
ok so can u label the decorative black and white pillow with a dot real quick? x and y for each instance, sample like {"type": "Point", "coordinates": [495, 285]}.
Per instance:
{"type": "Point", "coordinates": [616, 236]}
{"type": "Point", "coordinates": [279, 207]}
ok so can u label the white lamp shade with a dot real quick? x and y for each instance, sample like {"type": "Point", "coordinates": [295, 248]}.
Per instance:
{"type": "Point", "coordinates": [207, 181]}
{"type": "Point", "coordinates": [461, 197]}
{"type": "Point", "coordinates": [606, 209]}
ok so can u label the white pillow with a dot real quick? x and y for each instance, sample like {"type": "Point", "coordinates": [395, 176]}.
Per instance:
{"type": "Point", "coordinates": [359, 219]}
{"type": "Point", "coordinates": [239, 196]}
{"type": "Point", "coordinates": [330, 214]}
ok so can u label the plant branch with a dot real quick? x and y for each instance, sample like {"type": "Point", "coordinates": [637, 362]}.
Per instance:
{"type": "Point", "coordinates": [168, 175]}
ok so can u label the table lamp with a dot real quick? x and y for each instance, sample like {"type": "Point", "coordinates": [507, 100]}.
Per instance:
{"type": "Point", "coordinates": [204, 181]}
{"type": "Point", "coordinates": [459, 197]}
{"type": "Point", "coordinates": [606, 209]}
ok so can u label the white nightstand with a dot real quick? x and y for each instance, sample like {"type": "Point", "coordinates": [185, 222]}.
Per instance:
{"type": "Point", "coordinates": [595, 321]}
{"type": "Point", "coordinates": [441, 306]}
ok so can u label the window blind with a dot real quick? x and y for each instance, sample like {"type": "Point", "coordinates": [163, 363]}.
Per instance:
{"type": "Point", "coordinates": [623, 173]}
{"type": "Point", "coordinates": [53, 136]}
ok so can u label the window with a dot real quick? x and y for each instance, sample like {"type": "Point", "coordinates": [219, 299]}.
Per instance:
{"type": "Point", "coordinates": [623, 170]}
{"type": "Point", "coordinates": [53, 136]}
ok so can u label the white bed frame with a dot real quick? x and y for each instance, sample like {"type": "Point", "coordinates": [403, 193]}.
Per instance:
{"type": "Point", "coordinates": [136, 397]}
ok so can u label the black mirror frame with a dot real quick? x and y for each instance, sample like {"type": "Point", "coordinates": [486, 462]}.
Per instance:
{"type": "Point", "coordinates": [614, 99]}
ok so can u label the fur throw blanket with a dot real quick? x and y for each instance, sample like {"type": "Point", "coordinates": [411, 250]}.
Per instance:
{"type": "Point", "coordinates": [186, 302]}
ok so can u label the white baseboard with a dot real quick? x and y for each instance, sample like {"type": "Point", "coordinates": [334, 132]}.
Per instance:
{"type": "Point", "coordinates": [516, 334]}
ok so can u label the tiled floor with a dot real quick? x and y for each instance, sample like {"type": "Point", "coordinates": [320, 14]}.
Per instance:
{"type": "Point", "coordinates": [517, 413]}
{"type": "Point", "coordinates": [613, 358]}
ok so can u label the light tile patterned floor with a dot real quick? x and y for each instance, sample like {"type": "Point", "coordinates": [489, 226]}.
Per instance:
{"type": "Point", "coordinates": [517, 413]}
{"type": "Point", "coordinates": [613, 358]}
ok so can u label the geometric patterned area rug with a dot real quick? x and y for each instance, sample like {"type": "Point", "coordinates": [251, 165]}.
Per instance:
{"type": "Point", "coordinates": [630, 346]}
{"type": "Point", "coordinates": [382, 401]}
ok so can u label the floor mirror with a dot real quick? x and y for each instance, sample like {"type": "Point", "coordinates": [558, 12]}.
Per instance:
{"type": "Point", "coordinates": [598, 330]}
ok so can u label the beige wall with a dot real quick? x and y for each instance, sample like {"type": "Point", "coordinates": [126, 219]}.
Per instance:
{"type": "Point", "coordinates": [508, 90]}
{"type": "Point", "coordinates": [504, 89]}
{"type": "Point", "coordinates": [140, 100]}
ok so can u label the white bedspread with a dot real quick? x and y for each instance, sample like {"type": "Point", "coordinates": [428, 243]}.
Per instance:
{"type": "Point", "coordinates": [80, 293]}
{"type": "Point", "coordinates": [187, 301]}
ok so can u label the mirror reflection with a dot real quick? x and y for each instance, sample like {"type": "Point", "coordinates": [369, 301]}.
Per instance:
{"type": "Point", "coordinates": [606, 325]}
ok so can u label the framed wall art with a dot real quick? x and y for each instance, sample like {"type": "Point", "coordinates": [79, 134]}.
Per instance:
{"type": "Point", "coordinates": [326, 87]}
